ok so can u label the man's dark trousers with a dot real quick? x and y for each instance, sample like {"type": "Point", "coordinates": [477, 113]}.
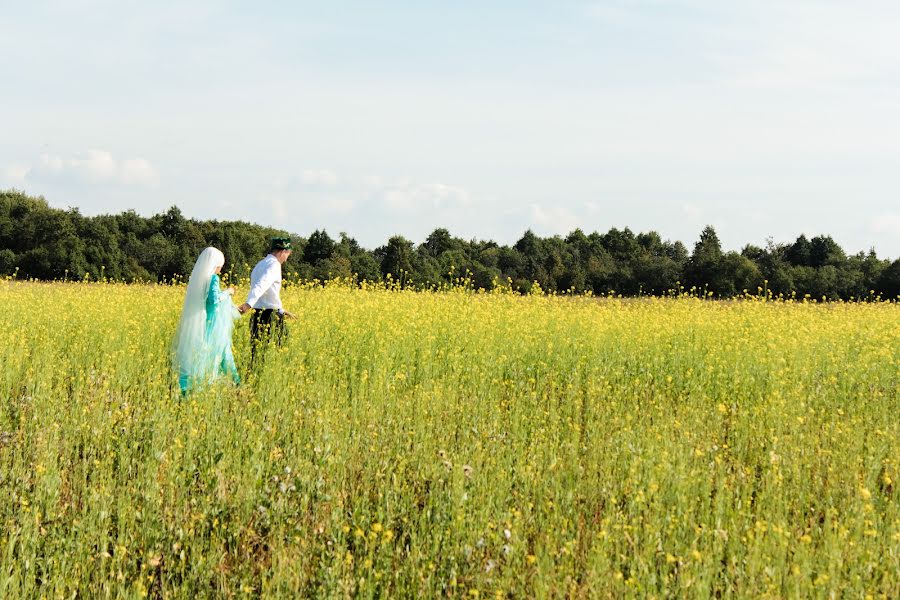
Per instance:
{"type": "Point", "coordinates": [265, 325]}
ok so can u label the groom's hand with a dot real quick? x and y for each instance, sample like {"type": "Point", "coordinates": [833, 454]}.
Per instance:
{"type": "Point", "coordinates": [243, 308]}
{"type": "Point", "coordinates": [290, 315]}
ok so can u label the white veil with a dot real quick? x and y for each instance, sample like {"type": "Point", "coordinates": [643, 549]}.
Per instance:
{"type": "Point", "coordinates": [190, 339]}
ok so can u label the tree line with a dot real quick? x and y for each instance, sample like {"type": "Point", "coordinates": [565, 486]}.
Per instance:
{"type": "Point", "coordinates": [41, 242]}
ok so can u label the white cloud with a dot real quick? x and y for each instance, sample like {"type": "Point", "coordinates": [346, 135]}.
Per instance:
{"type": "Point", "coordinates": [318, 177]}
{"type": "Point", "coordinates": [296, 205]}
{"type": "Point", "coordinates": [555, 219]}
{"type": "Point", "coordinates": [335, 205]}
{"type": "Point", "coordinates": [691, 211]}
{"type": "Point", "coordinates": [13, 175]}
{"type": "Point", "coordinates": [92, 167]}
{"type": "Point", "coordinates": [298, 198]}
{"type": "Point", "coordinates": [889, 224]}
{"type": "Point", "coordinates": [770, 44]}
{"type": "Point", "coordinates": [279, 207]}
{"type": "Point", "coordinates": [406, 196]}
{"type": "Point", "coordinates": [95, 166]}
{"type": "Point", "coordinates": [785, 105]}
{"type": "Point", "coordinates": [810, 45]}
{"type": "Point", "coordinates": [610, 13]}
{"type": "Point", "coordinates": [373, 181]}
{"type": "Point", "coordinates": [291, 207]}
{"type": "Point", "coordinates": [138, 171]}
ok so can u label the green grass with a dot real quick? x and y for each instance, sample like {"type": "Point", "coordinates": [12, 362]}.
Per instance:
{"type": "Point", "coordinates": [421, 444]}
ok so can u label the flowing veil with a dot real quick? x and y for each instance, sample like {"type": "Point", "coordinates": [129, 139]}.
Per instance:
{"type": "Point", "coordinates": [190, 348]}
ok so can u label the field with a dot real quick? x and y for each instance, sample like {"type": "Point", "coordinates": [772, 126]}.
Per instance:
{"type": "Point", "coordinates": [452, 444]}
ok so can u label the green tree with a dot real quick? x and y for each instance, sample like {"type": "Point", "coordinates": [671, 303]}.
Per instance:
{"type": "Point", "coordinates": [101, 251]}
{"type": "Point", "coordinates": [157, 254]}
{"type": "Point", "coordinates": [438, 242]}
{"type": "Point", "coordinates": [7, 262]}
{"type": "Point", "coordinates": [825, 251]}
{"type": "Point", "coordinates": [704, 269]}
{"type": "Point", "coordinates": [336, 266]}
{"type": "Point", "coordinates": [800, 252]}
{"type": "Point", "coordinates": [889, 281]}
{"type": "Point", "coordinates": [319, 246]}
{"type": "Point", "coordinates": [365, 267]}
{"type": "Point", "coordinates": [397, 258]}
{"type": "Point", "coordinates": [534, 258]}
{"type": "Point", "coordinates": [738, 273]}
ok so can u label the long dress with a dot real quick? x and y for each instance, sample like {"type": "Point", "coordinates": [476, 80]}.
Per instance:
{"type": "Point", "coordinates": [215, 359]}
{"type": "Point", "coordinates": [220, 316]}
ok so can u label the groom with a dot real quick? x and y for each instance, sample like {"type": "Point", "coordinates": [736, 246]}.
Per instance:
{"type": "Point", "coordinates": [265, 296]}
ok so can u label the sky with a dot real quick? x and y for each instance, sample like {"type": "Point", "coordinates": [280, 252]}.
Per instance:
{"type": "Point", "coordinates": [765, 119]}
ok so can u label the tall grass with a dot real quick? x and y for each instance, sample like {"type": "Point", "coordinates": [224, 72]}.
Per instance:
{"type": "Point", "coordinates": [452, 443]}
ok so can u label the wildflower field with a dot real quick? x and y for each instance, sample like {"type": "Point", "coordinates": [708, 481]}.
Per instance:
{"type": "Point", "coordinates": [454, 444]}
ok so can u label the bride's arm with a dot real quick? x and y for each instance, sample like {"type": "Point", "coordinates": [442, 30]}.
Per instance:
{"type": "Point", "coordinates": [217, 295]}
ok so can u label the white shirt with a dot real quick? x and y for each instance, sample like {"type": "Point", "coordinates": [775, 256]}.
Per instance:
{"type": "Point", "coordinates": [265, 284]}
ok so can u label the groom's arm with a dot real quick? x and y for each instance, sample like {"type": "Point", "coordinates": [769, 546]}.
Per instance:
{"type": "Point", "coordinates": [260, 286]}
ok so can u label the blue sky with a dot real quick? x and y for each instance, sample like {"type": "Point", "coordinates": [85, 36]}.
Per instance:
{"type": "Point", "coordinates": [764, 119]}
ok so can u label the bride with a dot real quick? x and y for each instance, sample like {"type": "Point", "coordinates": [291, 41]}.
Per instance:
{"type": "Point", "coordinates": [203, 341]}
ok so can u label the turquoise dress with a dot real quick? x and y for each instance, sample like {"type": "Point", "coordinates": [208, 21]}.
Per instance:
{"type": "Point", "coordinates": [220, 317]}
{"type": "Point", "coordinates": [216, 358]}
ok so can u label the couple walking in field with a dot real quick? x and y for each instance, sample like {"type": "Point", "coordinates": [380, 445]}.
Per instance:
{"type": "Point", "coordinates": [202, 348]}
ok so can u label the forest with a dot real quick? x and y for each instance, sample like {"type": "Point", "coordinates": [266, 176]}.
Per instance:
{"type": "Point", "coordinates": [40, 242]}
